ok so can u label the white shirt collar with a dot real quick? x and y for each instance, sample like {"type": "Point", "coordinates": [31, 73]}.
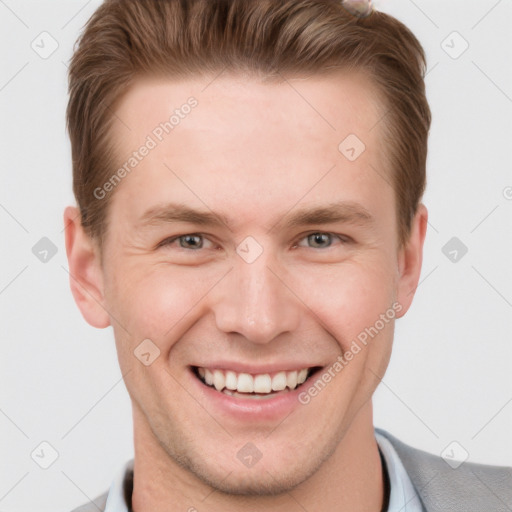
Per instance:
{"type": "Point", "coordinates": [115, 500]}
{"type": "Point", "coordinates": [403, 497]}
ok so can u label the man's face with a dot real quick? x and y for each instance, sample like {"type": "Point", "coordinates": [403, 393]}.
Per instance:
{"type": "Point", "coordinates": [271, 291]}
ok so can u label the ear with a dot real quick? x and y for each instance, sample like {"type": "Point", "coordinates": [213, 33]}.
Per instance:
{"type": "Point", "coordinates": [410, 258]}
{"type": "Point", "coordinates": [85, 270]}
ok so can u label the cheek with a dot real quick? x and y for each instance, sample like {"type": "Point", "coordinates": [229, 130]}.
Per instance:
{"type": "Point", "coordinates": [354, 304]}
{"type": "Point", "coordinates": [348, 299]}
{"type": "Point", "coordinates": [157, 301]}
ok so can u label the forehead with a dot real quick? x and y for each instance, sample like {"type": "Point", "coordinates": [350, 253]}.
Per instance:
{"type": "Point", "coordinates": [239, 146]}
{"type": "Point", "coordinates": [340, 102]}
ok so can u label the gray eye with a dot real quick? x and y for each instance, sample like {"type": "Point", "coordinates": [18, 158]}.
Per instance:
{"type": "Point", "coordinates": [320, 240]}
{"type": "Point", "coordinates": [191, 241]}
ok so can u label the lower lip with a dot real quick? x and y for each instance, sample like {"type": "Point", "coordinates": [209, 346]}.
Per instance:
{"type": "Point", "coordinates": [268, 408]}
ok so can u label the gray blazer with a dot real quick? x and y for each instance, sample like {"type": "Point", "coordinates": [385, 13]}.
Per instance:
{"type": "Point", "coordinates": [469, 488]}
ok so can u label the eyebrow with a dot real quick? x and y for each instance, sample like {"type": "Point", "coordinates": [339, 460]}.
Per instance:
{"type": "Point", "coordinates": [175, 212]}
{"type": "Point", "coordinates": [348, 212]}
{"type": "Point", "coordinates": [345, 211]}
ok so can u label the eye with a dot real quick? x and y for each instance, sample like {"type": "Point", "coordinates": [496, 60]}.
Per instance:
{"type": "Point", "coordinates": [192, 241]}
{"type": "Point", "coordinates": [196, 241]}
{"type": "Point", "coordinates": [321, 240]}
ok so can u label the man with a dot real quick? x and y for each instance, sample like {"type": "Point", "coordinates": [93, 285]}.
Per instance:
{"type": "Point", "coordinates": [249, 179]}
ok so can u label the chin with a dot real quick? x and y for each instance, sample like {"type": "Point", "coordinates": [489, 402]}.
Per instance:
{"type": "Point", "coordinates": [268, 477]}
{"type": "Point", "coordinates": [253, 482]}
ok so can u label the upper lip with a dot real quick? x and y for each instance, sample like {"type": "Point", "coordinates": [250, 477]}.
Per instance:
{"type": "Point", "coordinates": [239, 367]}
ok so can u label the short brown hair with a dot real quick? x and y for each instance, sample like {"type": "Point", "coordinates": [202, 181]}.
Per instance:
{"type": "Point", "coordinates": [127, 39]}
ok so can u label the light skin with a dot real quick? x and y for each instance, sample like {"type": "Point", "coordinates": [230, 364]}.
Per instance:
{"type": "Point", "coordinates": [256, 154]}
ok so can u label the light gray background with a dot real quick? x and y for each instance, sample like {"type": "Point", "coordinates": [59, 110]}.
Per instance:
{"type": "Point", "coordinates": [450, 373]}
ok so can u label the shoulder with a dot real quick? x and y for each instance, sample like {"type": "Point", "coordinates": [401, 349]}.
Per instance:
{"type": "Point", "coordinates": [94, 506]}
{"type": "Point", "coordinates": [469, 486]}
{"type": "Point", "coordinates": [120, 492]}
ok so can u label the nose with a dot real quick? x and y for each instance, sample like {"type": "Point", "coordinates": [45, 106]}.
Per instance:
{"type": "Point", "coordinates": [254, 300]}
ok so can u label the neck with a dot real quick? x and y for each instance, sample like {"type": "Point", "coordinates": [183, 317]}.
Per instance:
{"type": "Point", "coordinates": [351, 479]}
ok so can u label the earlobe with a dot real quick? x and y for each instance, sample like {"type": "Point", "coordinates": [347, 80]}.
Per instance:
{"type": "Point", "coordinates": [410, 259]}
{"type": "Point", "coordinates": [85, 271]}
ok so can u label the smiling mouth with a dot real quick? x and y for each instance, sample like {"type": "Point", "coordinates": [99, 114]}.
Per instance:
{"type": "Point", "coordinates": [246, 385]}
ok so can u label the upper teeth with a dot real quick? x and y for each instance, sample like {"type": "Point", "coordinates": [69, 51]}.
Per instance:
{"type": "Point", "coordinates": [247, 383]}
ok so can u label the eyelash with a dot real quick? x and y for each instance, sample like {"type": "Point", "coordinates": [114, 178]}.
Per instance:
{"type": "Point", "coordinates": [342, 238]}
